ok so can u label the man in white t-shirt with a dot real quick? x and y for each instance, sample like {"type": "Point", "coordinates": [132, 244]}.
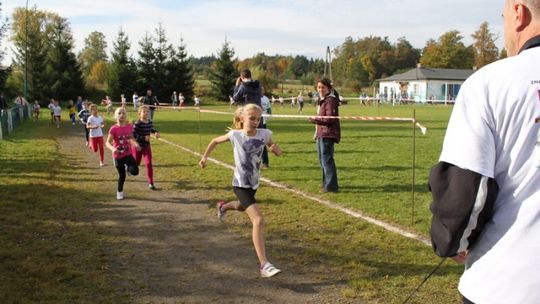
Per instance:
{"type": "Point", "coordinates": [486, 198]}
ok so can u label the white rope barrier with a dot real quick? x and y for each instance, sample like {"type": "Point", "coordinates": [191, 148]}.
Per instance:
{"type": "Point", "coordinates": [422, 128]}
{"type": "Point", "coordinates": [327, 203]}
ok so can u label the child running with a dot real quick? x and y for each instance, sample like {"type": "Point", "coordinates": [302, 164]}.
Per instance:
{"type": "Point", "coordinates": [50, 106]}
{"type": "Point", "coordinates": [141, 132]}
{"type": "Point", "coordinates": [248, 143]}
{"type": "Point", "coordinates": [120, 141]}
{"type": "Point", "coordinates": [36, 108]}
{"type": "Point", "coordinates": [72, 112]}
{"type": "Point", "coordinates": [57, 113]}
{"type": "Point", "coordinates": [95, 124]}
{"type": "Point", "coordinates": [83, 117]}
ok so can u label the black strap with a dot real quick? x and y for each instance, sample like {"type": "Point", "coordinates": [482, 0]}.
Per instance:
{"type": "Point", "coordinates": [425, 279]}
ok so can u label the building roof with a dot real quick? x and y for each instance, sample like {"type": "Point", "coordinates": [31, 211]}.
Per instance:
{"type": "Point", "coordinates": [430, 74]}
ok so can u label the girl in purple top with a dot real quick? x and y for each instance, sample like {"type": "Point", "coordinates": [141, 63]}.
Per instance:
{"type": "Point", "coordinates": [120, 142]}
{"type": "Point", "coordinates": [141, 132]}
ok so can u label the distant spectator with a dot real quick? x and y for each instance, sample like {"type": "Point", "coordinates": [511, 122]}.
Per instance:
{"type": "Point", "coordinates": [181, 99]}
{"type": "Point", "coordinates": [174, 99]}
{"type": "Point", "coordinates": [266, 109]}
{"type": "Point", "coordinates": [3, 105]}
{"type": "Point", "coordinates": [300, 102]}
{"type": "Point", "coordinates": [79, 104]}
{"type": "Point", "coordinates": [328, 133]}
{"type": "Point", "coordinates": [135, 99]}
{"type": "Point", "coordinates": [123, 101]}
{"type": "Point", "coordinates": [247, 90]}
{"type": "Point", "coordinates": [152, 102]}
{"type": "Point", "coordinates": [20, 101]}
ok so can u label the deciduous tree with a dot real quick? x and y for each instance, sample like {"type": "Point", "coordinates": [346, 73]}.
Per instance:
{"type": "Point", "coordinates": [485, 50]}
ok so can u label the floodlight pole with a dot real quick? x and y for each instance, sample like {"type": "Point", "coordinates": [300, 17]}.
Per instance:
{"type": "Point", "coordinates": [413, 165]}
{"type": "Point", "coordinates": [328, 63]}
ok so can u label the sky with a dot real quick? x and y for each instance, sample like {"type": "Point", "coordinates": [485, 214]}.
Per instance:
{"type": "Point", "coordinates": [283, 27]}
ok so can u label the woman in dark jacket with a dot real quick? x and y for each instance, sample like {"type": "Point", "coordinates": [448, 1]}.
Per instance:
{"type": "Point", "coordinates": [328, 133]}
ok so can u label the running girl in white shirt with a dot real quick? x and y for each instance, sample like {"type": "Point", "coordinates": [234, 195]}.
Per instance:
{"type": "Point", "coordinates": [248, 142]}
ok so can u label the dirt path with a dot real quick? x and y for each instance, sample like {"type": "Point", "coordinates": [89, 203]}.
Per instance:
{"type": "Point", "coordinates": [169, 247]}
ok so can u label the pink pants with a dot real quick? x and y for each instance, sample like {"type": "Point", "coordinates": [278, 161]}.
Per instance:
{"type": "Point", "coordinates": [96, 143]}
{"type": "Point", "coordinates": [147, 153]}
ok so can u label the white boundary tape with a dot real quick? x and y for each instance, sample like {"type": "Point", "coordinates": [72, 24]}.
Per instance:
{"type": "Point", "coordinates": [364, 118]}
{"type": "Point", "coordinates": [422, 128]}
{"type": "Point", "coordinates": [330, 204]}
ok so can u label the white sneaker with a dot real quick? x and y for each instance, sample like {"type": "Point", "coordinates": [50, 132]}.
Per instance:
{"type": "Point", "coordinates": [268, 270]}
{"type": "Point", "coordinates": [220, 213]}
{"type": "Point", "coordinates": [119, 195]}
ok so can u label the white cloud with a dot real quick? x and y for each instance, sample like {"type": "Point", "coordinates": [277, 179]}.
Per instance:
{"type": "Point", "coordinates": [272, 26]}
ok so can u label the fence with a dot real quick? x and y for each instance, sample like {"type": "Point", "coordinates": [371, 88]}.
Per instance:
{"type": "Point", "coordinates": [11, 118]}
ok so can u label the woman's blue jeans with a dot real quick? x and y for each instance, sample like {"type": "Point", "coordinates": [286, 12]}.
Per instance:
{"type": "Point", "coordinates": [325, 151]}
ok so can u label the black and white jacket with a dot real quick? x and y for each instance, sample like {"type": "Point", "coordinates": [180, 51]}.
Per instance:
{"type": "Point", "coordinates": [462, 203]}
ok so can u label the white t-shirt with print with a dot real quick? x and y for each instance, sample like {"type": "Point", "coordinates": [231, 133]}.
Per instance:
{"type": "Point", "coordinates": [95, 121]}
{"type": "Point", "coordinates": [494, 131]}
{"type": "Point", "coordinates": [57, 110]}
{"type": "Point", "coordinates": [247, 156]}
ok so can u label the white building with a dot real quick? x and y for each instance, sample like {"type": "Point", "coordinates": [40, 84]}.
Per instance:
{"type": "Point", "coordinates": [423, 85]}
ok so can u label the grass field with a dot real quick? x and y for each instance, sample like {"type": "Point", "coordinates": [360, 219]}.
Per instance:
{"type": "Point", "coordinates": [49, 255]}
{"type": "Point", "coordinates": [374, 159]}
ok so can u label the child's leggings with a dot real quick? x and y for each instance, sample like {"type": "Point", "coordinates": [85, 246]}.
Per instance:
{"type": "Point", "coordinates": [86, 132]}
{"type": "Point", "coordinates": [121, 164]}
{"type": "Point", "coordinates": [97, 143]}
{"type": "Point", "coordinates": [147, 153]}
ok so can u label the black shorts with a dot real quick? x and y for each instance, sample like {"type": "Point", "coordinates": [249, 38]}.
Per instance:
{"type": "Point", "coordinates": [246, 196]}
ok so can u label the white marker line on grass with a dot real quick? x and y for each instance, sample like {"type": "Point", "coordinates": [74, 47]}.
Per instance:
{"type": "Point", "coordinates": [323, 202]}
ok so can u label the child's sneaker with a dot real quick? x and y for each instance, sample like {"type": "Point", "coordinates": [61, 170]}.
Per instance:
{"type": "Point", "coordinates": [101, 164]}
{"type": "Point", "coordinates": [268, 270]}
{"type": "Point", "coordinates": [220, 212]}
{"type": "Point", "coordinates": [119, 195]}
{"type": "Point", "coordinates": [151, 187]}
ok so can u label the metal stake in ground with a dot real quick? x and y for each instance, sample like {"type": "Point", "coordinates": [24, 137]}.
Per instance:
{"type": "Point", "coordinates": [413, 165]}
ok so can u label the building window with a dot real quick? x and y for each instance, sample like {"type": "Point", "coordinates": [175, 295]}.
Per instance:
{"type": "Point", "coordinates": [453, 90]}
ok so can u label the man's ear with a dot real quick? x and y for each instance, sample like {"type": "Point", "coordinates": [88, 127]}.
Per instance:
{"type": "Point", "coordinates": [523, 16]}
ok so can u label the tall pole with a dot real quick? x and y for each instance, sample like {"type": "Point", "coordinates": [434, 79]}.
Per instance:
{"type": "Point", "coordinates": [26, 53]}
{"type": "Point", "coordinates": [413, 165]}
{"type": "Point", "coordinates": [328, 63]}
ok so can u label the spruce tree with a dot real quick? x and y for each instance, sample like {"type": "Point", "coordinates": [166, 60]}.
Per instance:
{"type": "Point", "coordinates": [145, 65]}
{"type": "Point", "coordinates": [224, 73]}
{"type": "Point", "coordinates": [182, 73]}
{"type": "Point", "coordinates": [122, 70]}
{"type": "Point", "coordinates": [163, 52]}
{"type": "Point", "coordinates": [62, 69]}
{"type": "Point", "coordinates": [3, 30]}
{"type": "Point", "coordinates": [30, 48]}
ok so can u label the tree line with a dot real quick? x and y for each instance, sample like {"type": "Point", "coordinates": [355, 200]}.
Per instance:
{"type": "Point", "coordinates": [46, 66]}
{"type": "Point", "coordinates": [45, 63]}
